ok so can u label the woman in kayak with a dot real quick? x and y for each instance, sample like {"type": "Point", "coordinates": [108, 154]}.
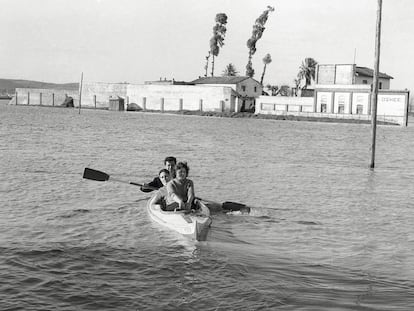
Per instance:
{"type": "Point", "coordinates": [177, 193]}
{"type": "Point", "coordinates": [180, 190]}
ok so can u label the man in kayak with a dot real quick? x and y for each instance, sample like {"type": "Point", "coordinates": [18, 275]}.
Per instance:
{"type": "Point", "coordinates": [156, 183]}
{"type": "Point", "coordinates": [161, 195]}
{"type": "Point", "coordinates": [180, 190]}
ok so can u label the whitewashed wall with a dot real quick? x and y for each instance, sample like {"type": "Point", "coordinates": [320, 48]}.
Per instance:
{"type": "Point", "coordinates": [45, 97]}
{"type": "Point", "coordinates": [283, 104]}
{"type": "Point", "coordinates": [185, 97]}
{"type": "Point", "coordinates": [151, 97]}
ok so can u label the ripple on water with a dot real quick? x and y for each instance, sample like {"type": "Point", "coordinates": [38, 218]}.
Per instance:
{"type": "Point", "coordinates": [325, 232]}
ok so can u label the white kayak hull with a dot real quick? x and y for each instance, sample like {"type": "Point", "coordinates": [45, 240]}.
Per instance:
{"type": "Point", "coordinates": [194, 225]}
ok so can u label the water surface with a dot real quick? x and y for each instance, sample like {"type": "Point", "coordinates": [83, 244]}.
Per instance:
{"type": "Point", "coordinates": [325, 232]}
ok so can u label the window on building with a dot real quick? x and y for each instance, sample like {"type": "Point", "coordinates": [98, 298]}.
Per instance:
{"type": "Point", "coordinates": [380, 85]}
{"type": "Point", "coordinates": [364, 81]}
{"type": "Point", "coordinates": [243, 88]}
{"type": "Point", "coordinates": [324, 101]}
{"type": "Point", "coordinates": [359, 109]}
{"type": "Point", "coordinates": [341, 103]}
{"type": "Point", "coordinates": [255, 89]}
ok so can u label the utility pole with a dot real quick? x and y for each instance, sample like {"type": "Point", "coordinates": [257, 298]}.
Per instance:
{"type": "Point", "coordinates": [354, 55]}
{"type": "Point", "coordinates": [374, 93]}
{"type": "Point", "coordinates": [80, 92]}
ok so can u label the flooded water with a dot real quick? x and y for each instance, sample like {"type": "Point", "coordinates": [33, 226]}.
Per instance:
{"type": "Point", "coordinates": [325, 232]}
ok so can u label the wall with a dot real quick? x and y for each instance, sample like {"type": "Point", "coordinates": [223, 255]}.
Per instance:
{"type": "Point", "coordinates": [344, 74]}
{"type": "Point", "coordinates": [283, 104]}
{"type": "Point", "coordinates": [151, 97]}
{"type": "Point", "coordinates": [247, 97]}
{"type": "Point", "coordinates": [97, 94]}
{"type": "Point", "coordinates": [392, 105]}
{"type": "Point", "coordinates": [46, 97]}
{"type": "Point", "coordinates": [386, 83]}
{"type": "Point", "coordinates": [335, 74]}
{"type": "Point", "coordinates": [189, 97]}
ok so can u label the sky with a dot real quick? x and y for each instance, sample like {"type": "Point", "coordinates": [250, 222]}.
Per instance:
{"type": "Point", "coordinates": [143, 40]}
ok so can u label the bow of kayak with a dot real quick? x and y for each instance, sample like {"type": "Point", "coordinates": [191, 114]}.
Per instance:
{"type": "Point", "coordinates": [194, 224]}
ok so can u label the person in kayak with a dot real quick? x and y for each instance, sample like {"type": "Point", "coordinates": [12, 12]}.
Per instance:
{"type": "Point", "coordinates": [161, 195]}
{"type": "Point", "coordinates": [180, 190]}
{"type": "Point", "coordinates": [156, 183]}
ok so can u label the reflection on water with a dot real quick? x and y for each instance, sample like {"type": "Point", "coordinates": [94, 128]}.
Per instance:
{"type": "Point", "coordinates": [324, 231]}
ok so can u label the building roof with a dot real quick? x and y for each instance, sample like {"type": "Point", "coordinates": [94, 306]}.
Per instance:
{"type": "Point", "coordinates": [367, 72]}
{"type": "Point", "coordinates": [167, 82]}
{"type": "Point", "coordinates": [220, 80]}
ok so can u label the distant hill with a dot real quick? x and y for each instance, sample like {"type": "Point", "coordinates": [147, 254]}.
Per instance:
{"type": "Point", "coordinates": [8, 86]}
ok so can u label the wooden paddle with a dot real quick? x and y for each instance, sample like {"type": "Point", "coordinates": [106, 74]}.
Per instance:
{"type": "Point", "coordinates": [92, 174]}
{"type": "Point", "coordinates": [96, 175]}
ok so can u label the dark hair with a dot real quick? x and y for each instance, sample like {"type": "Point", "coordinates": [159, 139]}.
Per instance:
{"type": "Point", "coordinates": [170, 159]}
{"type": "Point", "coordinates": [164, 170]}
{"type": "Point", "coordinates": [182, 165]}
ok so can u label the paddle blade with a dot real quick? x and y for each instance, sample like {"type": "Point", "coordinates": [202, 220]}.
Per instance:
{"type": "Point", "coordinates": [234, 206]}
{"type": "Point", "coordinates": [92, 174]}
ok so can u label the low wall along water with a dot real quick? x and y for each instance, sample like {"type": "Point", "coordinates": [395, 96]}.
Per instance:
{"type": "Point", "coordinates": [145, 97]}
{"type": "Point", "coordinates": [351, 102]}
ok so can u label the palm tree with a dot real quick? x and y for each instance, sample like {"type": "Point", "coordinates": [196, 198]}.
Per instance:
{"type": "Point", "coordinates": [230, 71]}
{"type": "Point", "coordinates": [217, 41]}
{"type": "Point", "coordinates": [257, 33]}
{"type": "Point", "coordinates": [307, 70]}
{"type": "Point", "coordinates": [266, 60]}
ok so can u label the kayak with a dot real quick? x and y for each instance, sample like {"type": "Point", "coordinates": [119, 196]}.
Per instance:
{"type": "Point", "coordinates": [194, 224]}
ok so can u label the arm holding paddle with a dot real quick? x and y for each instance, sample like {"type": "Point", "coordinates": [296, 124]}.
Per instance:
{"type": "Point", "coordinates": [151, 186]}
{"type": "Point", "coordinates": [156, 183]}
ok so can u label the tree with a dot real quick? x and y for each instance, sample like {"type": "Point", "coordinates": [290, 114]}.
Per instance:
{"type": "Point", "coordinates": [273, 89]}
{"type": "Point", "coordinates": [206, 65]}
{"type": "Point", "coordinates": [284, 90]}
{"type": "Point", "coordinates": [307, 71]}
{"type": "Point", "coordinates": [217, 41]}
{"type": "Point", "coordinates": [266, 60]}
{"type": "Point", "coordinates": [257, 33]}
{"type": "Point", "coordinates": [297, 85]}
{"type": "Point", "coordinates": [230, 71]}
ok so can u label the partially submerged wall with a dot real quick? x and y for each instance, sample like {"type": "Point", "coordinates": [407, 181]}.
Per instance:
{"type": "Point", "coordinates": [43, 97]}
{"type": "Point", "coordinates": [147, 97]}
{"type": "Point", "coordinates": [181, 97]}
{"type": "Point", "coordinates": [97, 94]}
{"type": "Point", "coordinates": [283, 104]}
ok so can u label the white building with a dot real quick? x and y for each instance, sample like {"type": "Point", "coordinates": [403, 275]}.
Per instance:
{"type": "Point", "coordinates": [343, 92]}
{"type": "Point", "coordinates": [247, 89]}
